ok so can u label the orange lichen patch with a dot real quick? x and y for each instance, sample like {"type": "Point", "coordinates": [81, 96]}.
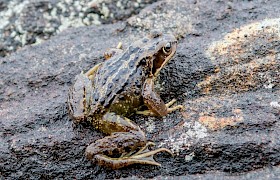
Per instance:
{"type": "Point", "coordinates": [245, 59]}
{"type": "Point", "coordinates": [206, 85]}
{"type": "Point", "coordinates": [185, 115]}
{"type": "Point", "coordinates": [239, 77]}
{"type": "Point", "coordinates": [216, 123]}
{"type": "Point", "coordinates": [239, 40]}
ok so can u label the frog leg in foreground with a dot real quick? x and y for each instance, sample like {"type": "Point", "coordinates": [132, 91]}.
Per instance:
{"type": "Point", "coordinates": [153, 101]}
{"type": "Point", "coordinates": [124, 140]}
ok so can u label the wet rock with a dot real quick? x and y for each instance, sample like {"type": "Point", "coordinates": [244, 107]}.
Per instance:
{"type": "Point", "coordinates": [225, 73]}
{"type": "Point", "coordinates": [267, 173]}
{"type": "Point", "coordinates": [245, 59]}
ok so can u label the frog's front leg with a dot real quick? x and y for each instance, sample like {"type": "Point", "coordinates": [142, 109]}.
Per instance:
{"type": "Point", "coordinates": [125, 145]}
{"type": "Point", "coordinates": [153, 101]}
{"type": "Point", "coordinates": [91, 72]}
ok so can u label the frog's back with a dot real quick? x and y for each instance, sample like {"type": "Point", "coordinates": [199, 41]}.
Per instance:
{"type": "Point", "coordinates": [114, 76]}
{"type": "Point", "coordinates": [125, 70]}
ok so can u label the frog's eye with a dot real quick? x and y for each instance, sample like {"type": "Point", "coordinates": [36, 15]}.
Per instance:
{"type": "Point", "coordinates": [167, 48]}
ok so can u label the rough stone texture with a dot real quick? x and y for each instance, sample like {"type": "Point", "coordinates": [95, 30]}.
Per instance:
{"type": "Point", "coordinates": [25, 22]}
{"type": "Point", "coordinates": [225, 73]}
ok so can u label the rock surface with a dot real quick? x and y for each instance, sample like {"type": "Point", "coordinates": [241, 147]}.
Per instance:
{"type": "Point", "coordinates": [25, 22]}
{"type": "Point", "coordinates": [225, 73]}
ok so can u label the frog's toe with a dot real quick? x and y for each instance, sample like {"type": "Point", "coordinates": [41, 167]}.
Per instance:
{"type": "Point", "coordinates": [170, 103]}
{"type": "Point", "coordinates": [174, 108]}
{"type": "Point", "coordinates": [143, 156]}
{"type": "Point", "coordinates": [146, 113]}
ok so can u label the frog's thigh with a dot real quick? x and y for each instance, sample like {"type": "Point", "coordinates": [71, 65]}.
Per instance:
{"type": "Point", "coordinates": [111, 122]}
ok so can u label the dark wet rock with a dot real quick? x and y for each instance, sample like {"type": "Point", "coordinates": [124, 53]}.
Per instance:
{"type": "Point", "coordinates": [225, 73]}
{"type": "Point", "coordinates": [266, 173]}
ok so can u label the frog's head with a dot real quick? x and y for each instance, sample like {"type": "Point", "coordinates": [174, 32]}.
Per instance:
{"type": "Point", "coordinates": [161, 48]}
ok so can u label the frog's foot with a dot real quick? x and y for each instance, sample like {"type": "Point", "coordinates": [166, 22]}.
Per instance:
{"type": "Point", "coordinates": [143, 156]}
{"type": "Point", "coordinates": [113, 51]}
{"type": "Point", "coordinates": [170, 103]}
{"type": "Point", "coordinates": [90, 73]}
{"type": "Point", "coordinates": [174, 108]}
{"type": "Point", "coordinates": [169, 109]}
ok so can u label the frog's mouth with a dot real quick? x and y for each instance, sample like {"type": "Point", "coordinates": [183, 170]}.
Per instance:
{"type": "Point", "coordinates": [162, 58]}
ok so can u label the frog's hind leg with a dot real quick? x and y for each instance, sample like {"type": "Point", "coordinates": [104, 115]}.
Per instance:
{"type": "Point", "coordinates": [121, 147]}
{"type": "Point", "coordinates": [80, 94]}
{"type": "Point", "coordinates": [144, 156]}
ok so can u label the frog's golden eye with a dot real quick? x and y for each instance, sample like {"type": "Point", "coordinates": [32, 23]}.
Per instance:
{"type": "Point", "coordinates": [167, 48]}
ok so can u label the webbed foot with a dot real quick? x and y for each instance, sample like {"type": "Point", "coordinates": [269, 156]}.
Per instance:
{"type": "Point", "coordinates": [143, 156]}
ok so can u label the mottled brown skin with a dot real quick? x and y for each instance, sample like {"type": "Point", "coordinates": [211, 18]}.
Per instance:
{"type": "Point", "coordinates": [117, 88]}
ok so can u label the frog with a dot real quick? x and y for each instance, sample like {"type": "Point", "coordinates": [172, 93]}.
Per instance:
{"type": "Point", "coordinates": [110, 92]}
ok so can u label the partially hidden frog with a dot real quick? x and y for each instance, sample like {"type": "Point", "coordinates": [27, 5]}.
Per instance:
{"type": "Point", "coordinates": [113, 90]}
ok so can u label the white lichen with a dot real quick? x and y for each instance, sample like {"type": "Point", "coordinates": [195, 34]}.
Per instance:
{"type": "Point", "coordinates": [190, 133]}
{"type": "Point", "coordinates": [275, 104]}
{"type": "Point", "coordinates": [150, 125]}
